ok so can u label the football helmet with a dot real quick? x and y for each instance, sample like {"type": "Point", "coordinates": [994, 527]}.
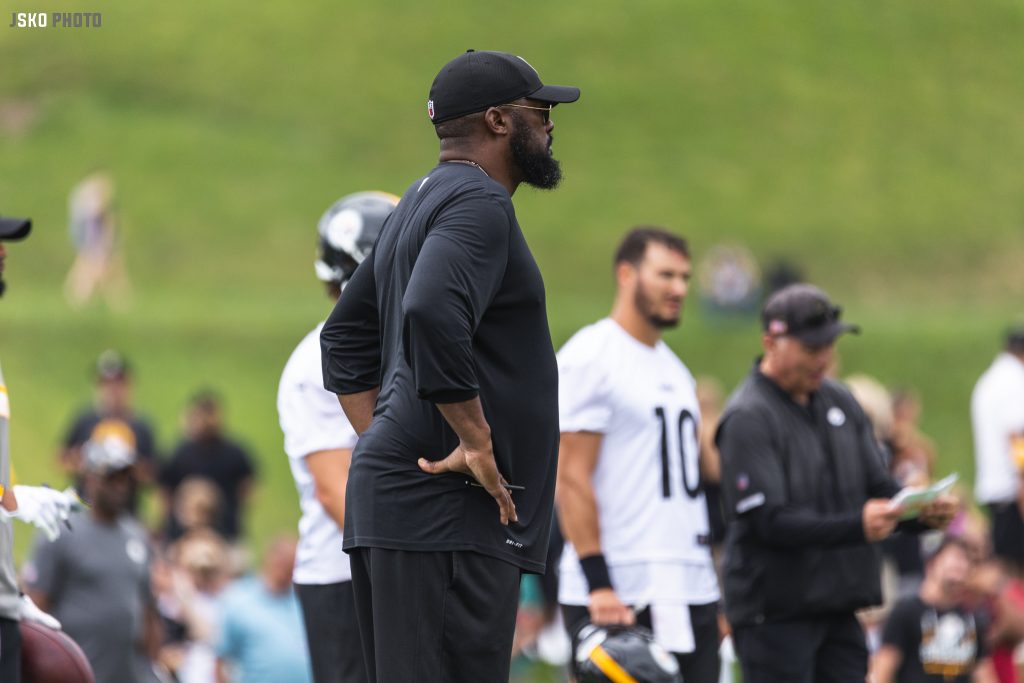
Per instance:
{"type": "Point", "coordinates": [347, 231]}
{"type": "Point", "coordinates": [621, 654]}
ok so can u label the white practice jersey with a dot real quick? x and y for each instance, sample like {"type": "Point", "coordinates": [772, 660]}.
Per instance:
{"type": "Point", "coordinates": [651, 508]}
{"type": "Point", "coordinates": [997, 415]}
{"type": "Point", "coordinates": [312, 420]}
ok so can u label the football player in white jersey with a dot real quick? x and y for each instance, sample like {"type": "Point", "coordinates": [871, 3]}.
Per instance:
{"type": "Point", "coordinates": [629, 490]}
{"type": "Point", "coordinates": [319, 440]}
{"type": "Point", "coordinates": [36, 505]}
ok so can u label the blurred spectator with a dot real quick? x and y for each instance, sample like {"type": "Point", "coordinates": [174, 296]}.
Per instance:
{"type": "Point", "coordinates": [99, 264]}
{"type": "Point", "coordinates": [95, 577]}
{"type": "Point", "coordinates": [932, 636]}
{"type": "Point", "coordinates": [188, 584]}
{"type": "Point", "coordinates": [262, 639]}
{"type": "Point", "coordinates": [997, 414]}
{"type": "Point", "coordinates": [781, 273]}
{"type": "Point", "coordinates": [913, 453]}
{"type": "Point", "coordinates": [730, 279]}
{"type": "Point", "coordinates": [112, 415]}
{"type": "Point", "coordinates": [208, 453]}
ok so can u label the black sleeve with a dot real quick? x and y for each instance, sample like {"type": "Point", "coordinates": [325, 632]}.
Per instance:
{"type": "Point", "coordinates": [457, 274]}
{"type": "Point", "coordinates": [789, 527]}
{"type": "Point", "coordinates": [350, 339]}
{"type": "Point", "coordinates": [900, 626]}
{"type": "Point", "coordinates": [145, 443]}
{"type": "Point", "coordinates": [754, 487]}
{"type": "Point", "coordinates": [879, 483]}
{"type": "Point", "coordinates": [78, 432]}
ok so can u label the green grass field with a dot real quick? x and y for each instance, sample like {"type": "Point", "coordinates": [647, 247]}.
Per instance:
{"type": "Point", "coordinates": [878, 144]}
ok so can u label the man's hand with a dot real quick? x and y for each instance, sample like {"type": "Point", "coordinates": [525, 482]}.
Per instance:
{"type": "Point", "coordinates": [940, 512]}
{"type": "Point", "coordinates": [606, 608]}
{"type": "Point", "coordinates": [480, 465]}
{"type": "Point", "coordinates": [30, 612]}
{"type": "Point", "coordinates": [879, 519]}
{"type": "Point", "coordinates": [44, 508]}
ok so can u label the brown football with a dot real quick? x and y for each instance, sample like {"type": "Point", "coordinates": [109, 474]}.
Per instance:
{"type": "Point", "coordinates": [49, 656]}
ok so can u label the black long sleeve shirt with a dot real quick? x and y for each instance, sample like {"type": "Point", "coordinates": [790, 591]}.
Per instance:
{"type": "Point", "coordinates": [449, 306]}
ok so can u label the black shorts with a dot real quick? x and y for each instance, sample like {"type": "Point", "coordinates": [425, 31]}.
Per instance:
{"type": "Point", "coordinates": [1008, 533]}
{"type": "Point", "coordinates": [700, 666]}
{"type": "Point", "coordinates": [814, 650]}
{"type": "Point", "coordinates": [329, 614]}
{"type": "Point", "coordinates": [10, 650]}
{"type": "Point", "coordinates": [436, 616]}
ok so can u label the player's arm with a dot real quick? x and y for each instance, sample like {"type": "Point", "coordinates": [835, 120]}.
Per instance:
{"type": "Point", "coordinates": [885, 664]}
{"type": "Point", "coordinates": [222, 671]}
{"type": "Point", "coordinates": [577, 512]}
{"type": "Point", "coordinates": [350, 350]}
{"type": "Point", "coordinates": [474, 455]}
{"type": "Point", "coordinates": [330, 477]}
{"type": "Point", "coordinates": [358, 408]}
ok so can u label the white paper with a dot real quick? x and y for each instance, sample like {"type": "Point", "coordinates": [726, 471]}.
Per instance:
{"type": "Point", "coordinates": [913, 498]}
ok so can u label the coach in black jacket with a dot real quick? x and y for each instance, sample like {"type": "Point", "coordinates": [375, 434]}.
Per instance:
{"type": "Point", "coordinates": [806, 493]}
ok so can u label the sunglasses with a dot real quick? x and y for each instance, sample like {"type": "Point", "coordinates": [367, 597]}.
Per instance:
{"type": "Point", "coordinates": [545, 117]}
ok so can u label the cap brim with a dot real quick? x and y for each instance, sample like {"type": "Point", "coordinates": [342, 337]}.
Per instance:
{"type": "Point", "coordinates": [15, 228]}
{"type": "Point", "coordinates": [827, 334]}
{"type": "Point", "coordinates": [556, 94]}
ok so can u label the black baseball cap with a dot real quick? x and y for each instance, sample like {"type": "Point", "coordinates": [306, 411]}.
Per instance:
{"type": "Point", "coordinates": [112, 365]}
{"type": "Point", "coordinates": [474, 81]}
{"type": "Point", "coordinates": [14, 228]}
{"type": "Point", "coordinates": [805, 312]}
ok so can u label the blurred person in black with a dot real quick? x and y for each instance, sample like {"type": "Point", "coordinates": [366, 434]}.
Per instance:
{"type": "Point", "coordinates": [806, 495]}
{"type": "Point", "coordinates": [113, 414]}
{"type": "Point", "coordinates": [933, 636]}
{"type": "Point", "coordinates": [442, 340]}
{"type": "Point", "coordinates": [207, 452]}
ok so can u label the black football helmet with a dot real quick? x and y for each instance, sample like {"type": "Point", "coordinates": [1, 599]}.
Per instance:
{"type": "Point", "coordinates": [347, 231]}
{"type": "Point", "coordinates": [621, 654]}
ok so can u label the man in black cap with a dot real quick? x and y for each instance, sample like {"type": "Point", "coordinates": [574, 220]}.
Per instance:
{"type": "Point", "coordinates": [442, 359]}
{"type": "Point", "coordinates": [806, 494]}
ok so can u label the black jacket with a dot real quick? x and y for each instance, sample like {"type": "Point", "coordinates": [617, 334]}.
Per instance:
{"type": "Point", "coordinates": [794, 480]}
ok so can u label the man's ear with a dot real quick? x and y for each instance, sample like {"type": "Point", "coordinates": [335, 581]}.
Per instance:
{"type": "Point", "coordinates": [625, 274]}
{"type": "Point", "coordinates": [497, 121]}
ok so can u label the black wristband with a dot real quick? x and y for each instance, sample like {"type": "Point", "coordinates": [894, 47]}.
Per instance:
{"type": "Point", "coordinates": [596, 571]}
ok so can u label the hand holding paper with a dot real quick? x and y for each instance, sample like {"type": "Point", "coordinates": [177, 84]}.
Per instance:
{"type": "Point", "coordinates": [927, 502]}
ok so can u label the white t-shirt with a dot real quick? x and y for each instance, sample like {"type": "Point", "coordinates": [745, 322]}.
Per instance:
{"type": "Point", "coordinates": [997, 414]}
{"type": "Point", "coordinates": [651, 510]}
{"type": "Point", "coordinates": [312, 420]}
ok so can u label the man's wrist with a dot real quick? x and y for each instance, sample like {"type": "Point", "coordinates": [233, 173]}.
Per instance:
{"type": "Point", "coordinates": [595, 569]}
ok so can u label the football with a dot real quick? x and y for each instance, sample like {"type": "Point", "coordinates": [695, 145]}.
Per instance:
{"type": "Point", "coordinates": [49, 656]}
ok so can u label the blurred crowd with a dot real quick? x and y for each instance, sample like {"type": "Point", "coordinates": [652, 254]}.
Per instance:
{"type": "Point", "coordinates": [182, 602]}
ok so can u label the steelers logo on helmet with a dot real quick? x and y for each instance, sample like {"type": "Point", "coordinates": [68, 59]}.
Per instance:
{"type": "Point", "coordinates": [347, 232]}
{"type": "Point", "coordinates": [621, 654]}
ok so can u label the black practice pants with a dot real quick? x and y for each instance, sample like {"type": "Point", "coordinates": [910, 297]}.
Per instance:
{"type": "Point", "coordinates": [10, 650]}
{"type": "Point", "coordinates": [827, 649]}
{"type": "Point", "coordinates": [435, 617]}
{"type": "Point", "coordinates": [700, 666]}
{"type": "Point", "coordinates": [329, 613]}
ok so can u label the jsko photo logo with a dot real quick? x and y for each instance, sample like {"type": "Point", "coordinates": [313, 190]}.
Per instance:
{"type": "Point", "coordinates": [56, 20]}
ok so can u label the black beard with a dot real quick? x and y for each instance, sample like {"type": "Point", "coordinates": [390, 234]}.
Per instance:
{"type": "Point", "coordinates": [538, 167]}
{"type": "Point", "coordinates": [660, 323]}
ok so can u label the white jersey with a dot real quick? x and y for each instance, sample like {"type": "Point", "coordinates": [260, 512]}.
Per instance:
{"type": "Point", "coordinates": [997, 414]}
{"type": "Point", "coordinates": [651, 508]}
{"type": "Point", "coordinates": [312, 420]}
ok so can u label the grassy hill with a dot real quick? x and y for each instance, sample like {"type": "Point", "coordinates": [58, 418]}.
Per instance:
{"type": "Point", "coordinates": [877, 144]}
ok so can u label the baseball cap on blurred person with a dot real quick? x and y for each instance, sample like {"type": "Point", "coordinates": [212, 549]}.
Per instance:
{"type": "Point", "coordinates": [107, 455]}
{"type": "Point", "coordinates": [111, 365]}
{"type": "Point", "coordinates": [805, 312]}
{"type": "Point", "coordinates": [474, 81]}
{"type": "Point", "coordinates": [14, 228]}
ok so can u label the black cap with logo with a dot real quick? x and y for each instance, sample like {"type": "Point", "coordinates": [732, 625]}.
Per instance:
{"type": "Point", "coordinates": [805, 312]}
{"type": "Point", "coordinates": [14, 228]}
{"type": "Point", "coordinates": [474, 81]}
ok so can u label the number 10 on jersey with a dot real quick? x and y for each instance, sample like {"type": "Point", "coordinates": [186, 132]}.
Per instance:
{"type": "Point", "coordinates": [685, 435]}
